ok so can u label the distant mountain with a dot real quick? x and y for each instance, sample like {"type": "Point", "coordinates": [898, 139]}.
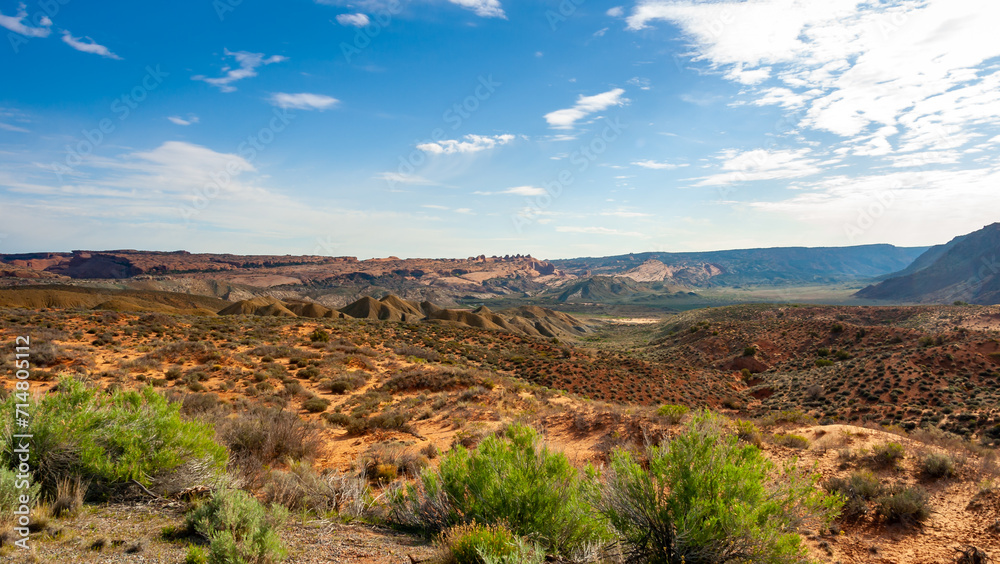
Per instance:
{"type": "Point", "coordinates": [965, 269]}
{"type": "Point", "coordinates": [782, 265]}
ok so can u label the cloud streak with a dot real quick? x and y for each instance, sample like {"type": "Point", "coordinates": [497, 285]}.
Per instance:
{"type": "Point", "coordinates": [303, 101]}
{"type": "Point", "coordinates": [470, 144]}
{"type": "Point", "coordinates": [88, 45]}
{"type": "Point", "coordinates": [584, 107]}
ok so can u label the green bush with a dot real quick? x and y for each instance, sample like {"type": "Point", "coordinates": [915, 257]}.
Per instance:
{"type": "Point", "coordinates": [487, 544]}
{"type": "Point", "coordinates": [672, 413]}
{"type": "Point", "coordinates": [196, 555]}
{"type": "Point", "coordinates": [821, 362]}
{"type": "Point", "coordinates": [115, 438]}
{"type": "Point", "coordinates": [937, 465]}
{"type": "Point", "coordinates": [857, 490]}
{"type": "Point", "coordinates": [238, 528]}
{"type": "Point", "coordinates": [509, 479]}
{"type": "Point", "coordinates": [319, 336]}
{"type": "Point", "coordinates": [10, 494]}
{"type": "Point", "coordinates": [887, 455]}
{"type": "Point", "coordinates": [706, 498]}
{"type": "Point", "coordinates": [315, 405]}
{"type": "Point", "coordinates": [908, 505]}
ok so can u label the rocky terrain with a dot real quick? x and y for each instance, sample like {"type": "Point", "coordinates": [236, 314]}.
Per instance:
{"type": "Point", "coordinates": [392, 394]}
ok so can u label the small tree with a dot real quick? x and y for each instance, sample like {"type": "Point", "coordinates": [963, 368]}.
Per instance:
{"type": "Point", "coordinates": [709, 499]}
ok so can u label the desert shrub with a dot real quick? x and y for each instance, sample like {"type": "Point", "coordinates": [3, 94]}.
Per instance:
{"type": "Point", "coordinates": [238, 529]}
{"type": "Point", "coordinates": [108, 439]}
{"type": "Point", "coordinates": [181, 351]}
{"type": "Point", "coordinates": [391, 419]}
{"type": "Point", "coordinates": [345, 382]}
{"type": "Point", "coordinates": [436, 378]}
{"type": "Point", "coordinates": [406, 461]}
{"type": "Point", "coordinates": [300, 488]}
{"type": "Point", "coordinates": [791, 441]}
{"type": "Point", "coordinates": [510, 479]}
{"type": "Point", "coordinates": [196, 404]}
{"type": "Point", "coordinates": [418, 352]}
{"type": "Point", "coordinates": [821, 362]}
{"type": "Point", "coordinates": [315, 405]}
{"type": "Point", "coordinates": [937, 465]}
{"type": "Point", "coordinates": [750, 351]}
{"type": "Point", "coordinates": [908, 505]}
{"type": "Point", "coordinates": [794, 416]}
{"type": "Point", "coordinates": [747, 432]}
{"type": "Point", "coordinates": [857, 490]}
{"type": "Point", "coordinates": [262, 437]}
{"type": "Point", "coordinates": [672, 413]}
{"type": "Point", "coordinates": [46, 354]}
{"type": "Point", "coordinates": [320, 336]}
{"type": "Point", "coordinates": [487, 544]}
{"type": "Point", "coordinates": [336, 418]}
{"type": "Point", "coordinates": [706, 498]}
{"type": "Point", "coordinates": [886, 455]}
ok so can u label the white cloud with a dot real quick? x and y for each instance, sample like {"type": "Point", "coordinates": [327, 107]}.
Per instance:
{"type": "Point", "coordinates": [642, 83]}
{"type": "Point", "coordinates": [181, 195]}
{"type": "Point", "coordinates": [748, 76]}
{"type": "Point", "coordinates": [400, 178]}
{"type": "Point", "coordinates": [303, 101]}
{"type": "Point", "coordinates": [585, 106]}
{"type": "Point", "coordinates": [516, 191]}
{"type": "Point", "coordinates": [916, 206]}
{"type": "Point", "coordinates": [248, 65]}
{"type": "Point", "coordinates": [484, 8]}
{"type": "Point", "coordinates": [17, 25]}
{"type": "Point", "coordinates": [761, 164]}
{"type": "Point", "coordinates": [616, 12]}
{"type": "Point", "coordinates": [353, 20]}
{"type": "Point", "coordinates": [855, 66]}
{"type": "Point", "coordinates": [87, 45]}
{"type": "Point", "coordinates": [191, 119]}
{"type": "Point", "coordinates": [657, 165]}
{"type": "Point", "coordinates": [471, 144]}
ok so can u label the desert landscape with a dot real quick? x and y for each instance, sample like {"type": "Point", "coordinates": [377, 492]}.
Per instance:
{"type": "Point", "coordinates": [500, 282]}
{"type": "Point", "coordinates": [334, 419]}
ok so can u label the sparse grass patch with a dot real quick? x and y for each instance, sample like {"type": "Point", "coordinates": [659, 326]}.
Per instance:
{"type": "Point", "coordinates": [791, 441]}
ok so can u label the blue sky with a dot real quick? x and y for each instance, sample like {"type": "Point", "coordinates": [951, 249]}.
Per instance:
{"type": "Point", "coordinates": [452, 128]}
